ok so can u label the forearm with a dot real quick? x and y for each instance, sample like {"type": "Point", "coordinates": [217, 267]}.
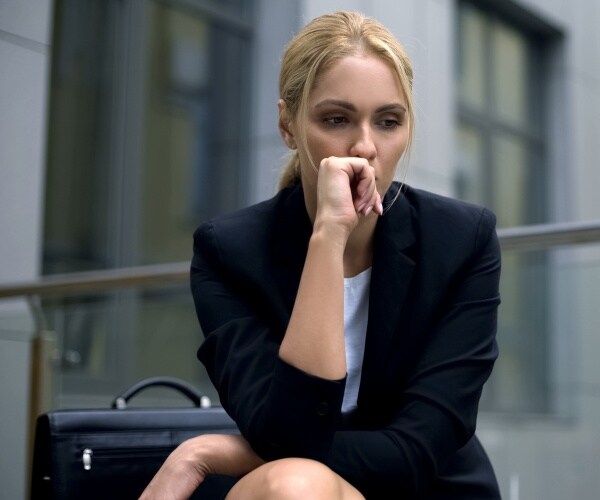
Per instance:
{"type": "Point", "coordinates": [226, 454]}
{"type": "Point", "coordinates": [314, 340]}
{"type": "Point", "coordinates": [189, 464]}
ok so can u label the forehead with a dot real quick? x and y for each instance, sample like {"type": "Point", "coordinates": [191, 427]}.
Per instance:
{"type": "Point", "coordinates": [360, 78]}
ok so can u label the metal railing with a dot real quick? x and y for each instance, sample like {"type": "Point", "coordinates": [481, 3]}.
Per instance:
{"type": "Point", "coordinates": [549, 235]}
{"type": "Point", "coordinates": [517, 238]}
{"type": "Point", "coordinates": [44, 343]}
{"type": "Point", "coordinates": [90, 281]}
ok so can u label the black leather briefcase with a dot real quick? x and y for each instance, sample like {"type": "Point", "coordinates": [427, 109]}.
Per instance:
{"type": "Point", "coordinates": [114, 453]}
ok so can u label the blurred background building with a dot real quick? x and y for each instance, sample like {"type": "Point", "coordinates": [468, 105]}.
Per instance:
{"type": "Point", "coordinates": [126, 123]}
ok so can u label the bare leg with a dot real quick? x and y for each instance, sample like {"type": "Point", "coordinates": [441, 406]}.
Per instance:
{"type": "Point", "coordinates": [291, 479]}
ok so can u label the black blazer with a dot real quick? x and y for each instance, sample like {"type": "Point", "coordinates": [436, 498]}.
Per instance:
{"type": "Point", "coordinates": [430, 343]}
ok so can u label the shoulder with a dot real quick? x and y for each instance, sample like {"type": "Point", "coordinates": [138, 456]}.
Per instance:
{"type": "Point", "coordinates": [253, 229]}
{"type": "Point", "coordinates": [443, 209]}
{"type": "Point", "coordinates": [444, 219]}
{"type": "Point", "coordinates": [248, 218]}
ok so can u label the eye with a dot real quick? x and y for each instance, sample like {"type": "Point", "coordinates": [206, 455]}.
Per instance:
{"type": "Point", "coordinates": [335, 121]}
{"type": "Point", "coordinates": [389, 123]}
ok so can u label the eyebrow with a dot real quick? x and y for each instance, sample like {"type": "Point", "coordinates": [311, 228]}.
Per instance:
{"type": "Point", "coordinates": [350, 107]}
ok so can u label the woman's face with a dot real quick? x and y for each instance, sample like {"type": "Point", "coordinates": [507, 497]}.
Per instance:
{"type": "Point", "coordinates": [355, 109]}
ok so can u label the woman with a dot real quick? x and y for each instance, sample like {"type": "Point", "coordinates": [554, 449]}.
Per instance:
{"type": "Point", "coordinates": [349, 321]}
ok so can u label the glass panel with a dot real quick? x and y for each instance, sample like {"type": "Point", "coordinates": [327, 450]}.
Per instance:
{"type": "Point", "coordinates": [519, 382]}
{"type": "Point", "coordinates": [156, 331]}
{"type": "Point", "coordinates": [548, 363]}
{"type": "Point", "coordinates": [469, 178]}
{"type": "Point", "coordinates": [510, 77]}
{"type": "Point", "coordinates": [510, 180]}
{"type": "Point", "coordinates": [471, 57]}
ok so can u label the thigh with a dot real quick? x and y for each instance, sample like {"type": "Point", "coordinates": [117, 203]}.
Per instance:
{"type": "Point", "coordinates": [292, 478]}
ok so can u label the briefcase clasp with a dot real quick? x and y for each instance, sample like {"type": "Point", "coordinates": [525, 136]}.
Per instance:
{"type": "Point", "coordinates": [87, 459]}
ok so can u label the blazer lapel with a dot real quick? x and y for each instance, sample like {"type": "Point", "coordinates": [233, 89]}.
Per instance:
{"type": "Point", "coordinates": [391, 275]}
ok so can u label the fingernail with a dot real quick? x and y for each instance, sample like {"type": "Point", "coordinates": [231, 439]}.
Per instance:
{"type": "Point", "coordinates": [368, 210]}
{"type": "Point", "coordinates": [381, 209]}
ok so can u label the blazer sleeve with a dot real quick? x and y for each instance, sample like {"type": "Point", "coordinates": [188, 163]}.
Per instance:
{"type": "Point", "coordinates": [279, 409]}
{"type": "Point", "coordinates": [438, 407]}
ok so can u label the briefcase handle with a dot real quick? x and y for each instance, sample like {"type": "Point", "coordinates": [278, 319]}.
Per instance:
{"type": "Point", "coordinates": [188, 390]}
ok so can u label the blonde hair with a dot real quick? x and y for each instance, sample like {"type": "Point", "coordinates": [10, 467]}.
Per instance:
{"type": "Point", "coordinates": [324, 41]}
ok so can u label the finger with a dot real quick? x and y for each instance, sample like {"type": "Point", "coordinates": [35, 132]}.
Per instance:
{"type": "Point", "coordinates": [371, 200]}
{"type": "Point", "coordinates": [365, 186]}
{"type": "Point", "coordinates": [374, 204]}
{"type": "Point", "coordinates": [378, 205]}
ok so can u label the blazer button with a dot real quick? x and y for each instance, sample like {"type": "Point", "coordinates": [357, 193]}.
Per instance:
{"type": "Point", "coordinates": [322, 409]}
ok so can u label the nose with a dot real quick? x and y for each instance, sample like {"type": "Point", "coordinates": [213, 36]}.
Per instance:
{"type": "Point", "coordinates": [363, 145]}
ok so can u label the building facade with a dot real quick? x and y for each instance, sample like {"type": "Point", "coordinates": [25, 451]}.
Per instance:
{"type": "Point", "coordinates": [125, 123]}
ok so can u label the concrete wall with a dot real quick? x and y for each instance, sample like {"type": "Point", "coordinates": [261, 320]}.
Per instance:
{"type": "Point", "coordinates": [24, 55]}
{"type": "Point", "coordinates": [268, 152]}
{"type": "Point", "coordinates": [24, 63]}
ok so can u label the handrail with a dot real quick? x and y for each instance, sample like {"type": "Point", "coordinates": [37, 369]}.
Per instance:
{"type": "Point", "coordinates": [549, 235]}
{"type": "Point", "coordinates": [515, 238]}
{"type": "Point", "coordinates": [156, 274]}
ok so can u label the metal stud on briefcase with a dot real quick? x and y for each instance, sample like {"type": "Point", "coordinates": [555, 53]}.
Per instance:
{"type": "Point", "coordinates": [114, 453]}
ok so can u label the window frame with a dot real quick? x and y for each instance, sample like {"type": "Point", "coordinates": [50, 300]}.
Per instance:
{"type": "Point", "coordinates": [541, 40]}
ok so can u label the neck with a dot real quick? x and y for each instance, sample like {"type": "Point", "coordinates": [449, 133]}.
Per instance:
{"type": "Point", "coordinates": [358, 255]}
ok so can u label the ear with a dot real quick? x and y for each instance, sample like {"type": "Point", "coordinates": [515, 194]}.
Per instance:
{"type": "Point", "coordinates": [286, 128]}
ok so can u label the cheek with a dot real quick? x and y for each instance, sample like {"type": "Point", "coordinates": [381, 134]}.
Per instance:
{"type": "Point", "coordinates": [390, 160]}
{"type": "Point", "coordinates": [399, 148]}
{"type": "Point", "coordinates": [394, 152]}
{"type": "Point", "coordinates": [323, 145]}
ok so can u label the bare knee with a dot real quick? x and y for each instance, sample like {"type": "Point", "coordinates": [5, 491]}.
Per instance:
{"type": "Point", "coordinates": [293, 479]}
{"type": "Point", "coordinates": [299, 478]}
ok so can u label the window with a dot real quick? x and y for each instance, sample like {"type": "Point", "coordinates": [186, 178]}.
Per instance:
{"type": "Point", "coordinates": [148, 137]}
{"type": "Point", "coordinates": [148, 128]}
{"type": "Point", "coordinates": [501, 163]}
{"type": "Point", "coordinates": [500, 104]}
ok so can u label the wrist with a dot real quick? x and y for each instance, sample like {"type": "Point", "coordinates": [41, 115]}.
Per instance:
{"type": "Point", "coordinates": [335, 235]}
{"type": "Point", "coordinates": [223, 454]}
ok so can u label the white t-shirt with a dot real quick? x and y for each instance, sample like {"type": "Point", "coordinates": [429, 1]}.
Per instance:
{"type": "Point", "coordinates": [356, 315]}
